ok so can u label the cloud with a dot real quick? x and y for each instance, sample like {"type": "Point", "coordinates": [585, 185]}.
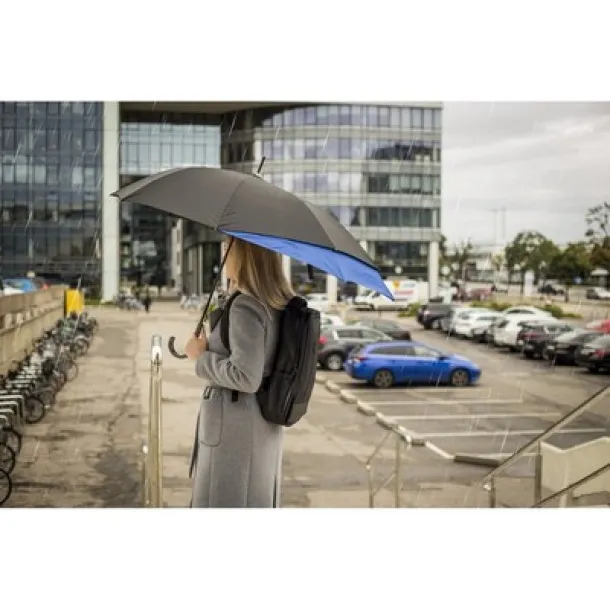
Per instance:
{"type": "Point", "coordinates": [545, 164]}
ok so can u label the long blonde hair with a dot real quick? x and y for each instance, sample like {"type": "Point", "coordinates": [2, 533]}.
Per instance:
{"type": "Point", "coordinates": [260, 274]}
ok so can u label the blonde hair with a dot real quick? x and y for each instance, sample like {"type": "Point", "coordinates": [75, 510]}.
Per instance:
{"type": "Point", "coordinates": [260, 274]}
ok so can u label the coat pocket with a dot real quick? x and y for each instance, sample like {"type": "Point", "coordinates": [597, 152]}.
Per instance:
{"type": "Point", "coordinates": [210, 421]}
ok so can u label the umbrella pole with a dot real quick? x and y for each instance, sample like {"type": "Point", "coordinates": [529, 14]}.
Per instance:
{"type": "Point", "coordinates": [172, 340]}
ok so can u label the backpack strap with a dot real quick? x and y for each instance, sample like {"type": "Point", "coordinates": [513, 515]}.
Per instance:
{"type": "Point", "coordinates": [224, 320]}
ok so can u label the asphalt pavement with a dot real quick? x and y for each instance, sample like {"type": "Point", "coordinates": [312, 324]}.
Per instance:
{"type": "Point", "coordinates": [515, 400]}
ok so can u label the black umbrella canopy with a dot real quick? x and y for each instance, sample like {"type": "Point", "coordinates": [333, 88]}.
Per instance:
{"type": "Point", "coordinates": [227, 200]}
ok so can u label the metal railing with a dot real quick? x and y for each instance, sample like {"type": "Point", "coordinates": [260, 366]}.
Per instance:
{"type": "Point", "coordinates": [489, 480]}
{"type": "Point", "coordinates": [402, 441]}
{"type": "Point", "coordinates": [573, 486]}
{"type": "Point", "coordinates": [152, 449]}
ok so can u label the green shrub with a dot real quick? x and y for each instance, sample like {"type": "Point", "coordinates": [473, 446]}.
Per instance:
{"type": "Point", "coordinates": [410, 312]}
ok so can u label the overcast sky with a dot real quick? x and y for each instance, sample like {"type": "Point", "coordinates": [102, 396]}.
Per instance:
{"type": "Point", "coordinates": [545, 163]}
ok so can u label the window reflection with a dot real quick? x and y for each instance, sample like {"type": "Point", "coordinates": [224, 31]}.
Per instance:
{"type": "Point", "coordinates": [279, 149]}
{"type": "Point", "coordinates": [354, 182]}
{"type": "Point", "coordinates": [399, 117]}
{"type": "Point", "coordinates": [47, 214]}
{"type": "Point", "coordinates": [151, 147]}
{"type": "Point", "coordinates": [403, 253]}
{"type": "Point", "coordinates": [399, 217]}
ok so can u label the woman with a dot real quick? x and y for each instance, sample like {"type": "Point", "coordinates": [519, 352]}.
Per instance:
{"type": "Point", "coordinates": [237, 454]}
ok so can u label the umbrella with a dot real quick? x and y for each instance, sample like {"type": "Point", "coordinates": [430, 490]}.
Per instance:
{"type": "Point", "coordinates": [244, 206]}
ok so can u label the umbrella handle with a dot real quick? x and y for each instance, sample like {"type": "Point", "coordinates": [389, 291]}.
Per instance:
{"type": "Point", "coordinates": [172, 350]}
{"type": "Point", "coordinates": [171, 343]}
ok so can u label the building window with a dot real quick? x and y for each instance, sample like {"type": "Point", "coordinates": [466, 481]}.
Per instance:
{"type": "Point", "coordinates": [52, 146]}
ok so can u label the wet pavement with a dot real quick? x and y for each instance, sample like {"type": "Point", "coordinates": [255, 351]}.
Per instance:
{"type": "Point", "coordinates": [86, 451]}
{"type": "Point", "coordinates": [515, 400]}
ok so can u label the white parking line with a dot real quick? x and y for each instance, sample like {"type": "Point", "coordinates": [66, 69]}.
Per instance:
{"type": "Point", "coordinates": [472, 401]}
{"type": "Point", "coordinates": [510, 433]}
{"type": "Point", "coordinates": [452, 416]}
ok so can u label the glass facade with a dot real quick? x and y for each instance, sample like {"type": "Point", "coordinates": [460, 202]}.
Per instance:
{"type": "Point", "coordinates": [152, 143]}
{"type": "Point", "coordinates": [375, 168]}
{"type": "Point", "coordinates": [51, 189]}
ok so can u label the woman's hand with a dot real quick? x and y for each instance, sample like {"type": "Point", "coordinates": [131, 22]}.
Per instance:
{"type": "Point", "coordinates": [195, 346]}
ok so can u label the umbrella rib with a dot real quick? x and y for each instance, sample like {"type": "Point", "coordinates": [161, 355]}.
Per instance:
{"type": "Point", "coordinates": [229, 199]}
{"type": "Point", "coordinates": [333, 248]}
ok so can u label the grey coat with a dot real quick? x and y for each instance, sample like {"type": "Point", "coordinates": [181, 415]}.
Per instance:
{"type": "Point", "coordinates": [237, 454]}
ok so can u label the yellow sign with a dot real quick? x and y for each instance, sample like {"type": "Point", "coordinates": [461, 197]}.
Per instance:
{"type": "Point", "coordinates": [74, 302]}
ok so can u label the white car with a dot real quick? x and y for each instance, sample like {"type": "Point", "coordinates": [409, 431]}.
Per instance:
{"type": "Point", "coordinates": [318, 300]}
{"type": "Point", "coordinates": [474, 323]}
{"type": "Point", "coordinates": [526, 310]}
{"type": "Point", "coordinates": [507, 329]}
{"type": "Point", "coordinates": [374, 301]}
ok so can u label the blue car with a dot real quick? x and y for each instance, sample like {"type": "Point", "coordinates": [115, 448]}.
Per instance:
{"type": "Point", "coordinates": [24, 284]}
{"type": "Point", "coordinates": [397, 362]}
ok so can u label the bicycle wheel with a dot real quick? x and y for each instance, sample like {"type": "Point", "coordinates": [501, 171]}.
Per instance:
{"type": "Point", "coordinates": [7, 458]}
{"type": "Point", "coordinates": [46, 394]}
{"type": "Point", "coordinates": [6, 486]}
{"type": "Point", "coordinates": [71, 370]}
{"type": "Point", "coordinates": [13, 439]}
{"type": "Point", "coordinates": [34, 409]}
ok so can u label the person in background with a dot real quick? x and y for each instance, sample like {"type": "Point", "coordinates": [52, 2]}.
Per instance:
{"type": "Point", "coordinates": [146, 301]}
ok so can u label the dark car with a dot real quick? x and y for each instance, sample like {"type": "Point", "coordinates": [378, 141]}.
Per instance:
{"type": "Point", "coordinates": [390, 328]}
{"type": "Point", "coordinates": [429, 315]}
{"type": "Point", "coordinates": [594, 355]}
{"type": "Point", "coordinates": [551, 290]}
{"type": "Point", "coordinates": [533, 338]}
{"type": "Point", "coordinates": [562, 349]}
{"type": "Point", "coordinates": [336, 343]}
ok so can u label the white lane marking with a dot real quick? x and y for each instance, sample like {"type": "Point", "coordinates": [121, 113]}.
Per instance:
{"type": "Point", "coordinates": [502, 456]}
{"type": "Point", "coordinates": [476, 416]}
{"type": "Point", "coordinates": [465, 401]}
{"type": "Point", "coordinates": [436, 449]}
{"type": "Point", "coordinates": [509, 433]}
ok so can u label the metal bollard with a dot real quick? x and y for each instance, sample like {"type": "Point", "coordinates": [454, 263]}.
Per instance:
{"type": "Point", "coordinates": [154, 453]}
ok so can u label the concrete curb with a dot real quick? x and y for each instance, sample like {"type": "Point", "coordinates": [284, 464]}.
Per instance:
{"type": "Point", "coordinates": [365, 409]}
{"type": "Point", "coordinates": [476, 460]}
{"type": "Point", "coordinates": [320, 378]}
{"type": "Point", "coordinates": [350, 399]}
{"type": "Point", "coordinates": [332, 387]}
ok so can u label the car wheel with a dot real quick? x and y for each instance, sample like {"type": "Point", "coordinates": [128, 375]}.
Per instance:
{"type": "Point", "coordinates": [529, 355]}
{"type": "Point", "coordinates": [459, 378]}
{"type": "Point", "coordinates": [383, 379]}
{"type": "Point", "coordinates": [593, 369]}
{"type": "Point", "coordinates": [334, 362]}
{"type": "Point", "coordinates": [436, 324]}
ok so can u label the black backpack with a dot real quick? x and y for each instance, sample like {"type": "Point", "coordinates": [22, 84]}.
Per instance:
{"type": "Point", "coordinates": [284, 395]}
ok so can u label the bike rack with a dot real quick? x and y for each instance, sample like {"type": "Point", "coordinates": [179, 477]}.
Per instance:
{"type": "Point", "coordinates": [402, 440]}
{"type": "Point", "coordinates": [15, 402]}
{"type": "Point", "coordinates": [152, 449]}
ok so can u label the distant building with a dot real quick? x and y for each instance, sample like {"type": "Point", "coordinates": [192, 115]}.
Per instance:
{"type": "Point", "coordinates": [376, 167]}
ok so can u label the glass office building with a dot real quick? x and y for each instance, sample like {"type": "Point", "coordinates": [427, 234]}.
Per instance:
{"type": "Point", "coordinates": [376, 167]}
{"type": "Point", "coordinates": [51, 189]}
{"type": "Point", "coordinates": [152, 142]}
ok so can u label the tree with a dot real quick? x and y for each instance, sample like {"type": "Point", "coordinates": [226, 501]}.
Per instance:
{"type": "Point", "coordinates": [572, 262]}
{"type": "Point", "coordinates": [529, 251]}
{"type": "Point", "coordinates": [598, 233]}
{"type": "Point", "coordinates": [460, 257]}
{"type": "Point", "coordinates": [498, 261]}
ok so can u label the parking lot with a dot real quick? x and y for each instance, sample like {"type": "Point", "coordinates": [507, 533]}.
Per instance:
{"type": "Point", "coordinates": [514, 401]}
